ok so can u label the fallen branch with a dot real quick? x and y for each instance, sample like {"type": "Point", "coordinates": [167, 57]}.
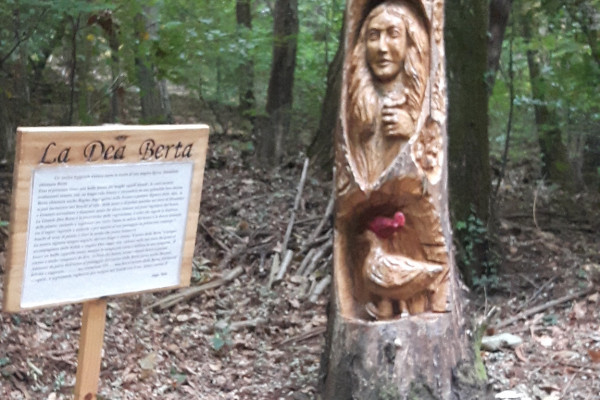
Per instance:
{"type": "Point", "coordinates": [319, 288]}
{"type": "Point", "coordinates": [250, 323]}
{"type": "Point", "coordinates": [538, 291]}
{"type": "Point", "coordinates": [290, 226]}
{"type": "Point", "coordinates": [210, 235]}
{"type": "Point", "coordinates": [316, 258]}
{"type": "Point", "coordinates": [287, 259]}
{"type": "Point", "coordinates": [274, 269]}
{"type": "Point", "coordinates": [189, 293]}
{"type": "Point", "coordinates": [305, 261]}
{"type": "Point", "coordinates": [304, 336]}
{"type": "Point", "coordinates": [319, 240]}
{"type": "Point", "coordinates": [543, 307]}
{"type": "Point", "coordinates": [231, 255]}
{"type": "Point", "coordinates": [321, 225]}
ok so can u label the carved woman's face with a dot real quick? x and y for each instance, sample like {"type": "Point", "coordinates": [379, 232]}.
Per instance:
{"type": "Point", "coordinates": [386, 46]}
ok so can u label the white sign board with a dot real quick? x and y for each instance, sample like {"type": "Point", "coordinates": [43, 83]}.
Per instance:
{"type": "Point", "coordinates": [121, 225]}
{"type": "Point", "coordinates": [102, 211]}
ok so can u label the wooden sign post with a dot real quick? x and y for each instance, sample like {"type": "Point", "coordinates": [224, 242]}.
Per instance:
{"type": "Point", "coordinates": [102, 211]}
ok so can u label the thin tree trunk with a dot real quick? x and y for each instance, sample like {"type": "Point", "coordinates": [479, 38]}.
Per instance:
{"type": "Point", "coordinates": [243, 14]}
{"type": "Point", "coordinates": [498, 20]}
{"type": "Point", "coordinates": [73, 73]}
{"type": "Point", "coordinates": [281, 82]}
{"type": "Point", "coordinates": [151, 101]}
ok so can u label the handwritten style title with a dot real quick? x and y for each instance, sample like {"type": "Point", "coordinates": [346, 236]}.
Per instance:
{"type": "Point", "coordinates": [98, 151]}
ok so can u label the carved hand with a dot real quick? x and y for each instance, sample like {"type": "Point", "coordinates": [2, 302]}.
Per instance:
{"type": "Point", "coordinates": [395, 120]}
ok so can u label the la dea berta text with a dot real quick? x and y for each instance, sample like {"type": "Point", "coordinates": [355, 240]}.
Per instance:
{"type": "Point", "coordinates": [97, 150]}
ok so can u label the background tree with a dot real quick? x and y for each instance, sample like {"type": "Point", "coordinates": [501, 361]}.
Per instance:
{"type": "Point", "coordinates": [320, 149]}
{"type": "Point", "coordinates": [469, 166]}
{"type": "Point", "coordinates": [243, 12]}
{"type": "Point", "coordinates": [281, 82]}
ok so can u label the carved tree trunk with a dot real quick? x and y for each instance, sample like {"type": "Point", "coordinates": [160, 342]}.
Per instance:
{"type": "Point", "coordinates": [396, 329]}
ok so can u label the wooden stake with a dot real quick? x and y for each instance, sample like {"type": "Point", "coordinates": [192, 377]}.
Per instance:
{"type": "Point", "coordinates": [90, 349]}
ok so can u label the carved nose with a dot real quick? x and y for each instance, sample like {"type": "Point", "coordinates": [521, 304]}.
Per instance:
{"type": "Point", "coordinates": [383, 44]}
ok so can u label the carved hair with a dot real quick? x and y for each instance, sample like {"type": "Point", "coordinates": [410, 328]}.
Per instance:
{"type": "Point", "coordinates": [364, 101]}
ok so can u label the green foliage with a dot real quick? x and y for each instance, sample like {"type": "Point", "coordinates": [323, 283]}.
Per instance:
{"type": "Point", "coordinates": [570, 76]}
{"type": "Point", "coordinates": [221, 338]}
{"type": "Point", "coordinates": [178, 376]}
{"type": "Point", "coordinates": [473, 234]}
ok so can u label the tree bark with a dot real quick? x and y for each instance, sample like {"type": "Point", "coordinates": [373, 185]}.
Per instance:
{"type": "Point", "coordinates": [281, 82]}
{"type": "Point", "coordinates": [499, 14]}
{"type": "Point", "coordinates": [243, 14]}
{"type": "Point", "coordinates": [153, 103]}
{"type": "Point", "coordinates": [469, 165]}
{"type": "Point", "coordinates": [320, 149]}
{"type": "Point", "coordinates": [7, 130]}
{"type": "Point", "coordinates": [396, 326]}
{"type": "Point", "coordinates": [73, 73]}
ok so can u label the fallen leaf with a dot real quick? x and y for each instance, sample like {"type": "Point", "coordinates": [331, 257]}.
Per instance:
{"type": "Point", "coordinates": [215, 367]}
{"type": "Point", "coordinates": [520, 355]}
{"type": "Point", "coordinates": [148, 363]}
{"type": "Point", "coordinates": [579, 311]}
{"type": "Point", "coordinates": [294, 303]}
{"type": "Point", "coordinates": [594, 355]}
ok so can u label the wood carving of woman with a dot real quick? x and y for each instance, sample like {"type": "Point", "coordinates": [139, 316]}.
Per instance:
{"type": "Point", "coordinates": [387, 75]}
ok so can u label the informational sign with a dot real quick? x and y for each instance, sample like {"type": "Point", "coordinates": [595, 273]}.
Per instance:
{"type": "Point", "coordinates": [102, 211]}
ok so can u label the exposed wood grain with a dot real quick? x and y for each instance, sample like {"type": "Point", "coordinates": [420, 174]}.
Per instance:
{"type": "Point", "coordinates": [90, 349]}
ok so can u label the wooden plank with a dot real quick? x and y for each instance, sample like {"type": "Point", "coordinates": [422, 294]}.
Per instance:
{"type": "Point", "coordinates": [89, 358]}
{"type": "Point", "coordinates": [40, 148]}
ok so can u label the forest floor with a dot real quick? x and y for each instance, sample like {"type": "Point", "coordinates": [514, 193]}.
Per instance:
{"type": "Point", "coordinates": [250, 336]}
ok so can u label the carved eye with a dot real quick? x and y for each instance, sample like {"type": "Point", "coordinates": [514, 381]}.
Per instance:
{"type": "Point", "coordinates": [373, 34]}
{"type": "Point", "coordinates": [394, 32]}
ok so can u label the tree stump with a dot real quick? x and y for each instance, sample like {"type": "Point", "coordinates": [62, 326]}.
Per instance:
{"type": "Point", "coordinates": [396, 327]}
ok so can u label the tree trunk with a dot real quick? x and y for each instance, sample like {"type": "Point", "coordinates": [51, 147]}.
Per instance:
{"type": "Point", "coordinates": [281, 82]}
{"type": "Point", "coordinates": [396, 326]}
{"type": "Point", "coordinates": [7, 130]}
{"type": "Point", "coordinates": [468, 147]}
{"type": "Point", "coordinates": [151, 100]}
{"type": "Point", "coordinates": [243, 14]}
{"type": "Point", "coordinates": [555, 162]}
{"type": "Point", "coordinates": [499, 14]}
{"type": "Point", "coordinates": [111, 29]}
{"type": "Point", "coordinates": [320, 149]}
{"type": "Point", "coordinates": [73, 73]}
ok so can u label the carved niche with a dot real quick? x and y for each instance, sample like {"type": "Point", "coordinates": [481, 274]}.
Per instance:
{"type": "Point", "coordinates": [391, 255]}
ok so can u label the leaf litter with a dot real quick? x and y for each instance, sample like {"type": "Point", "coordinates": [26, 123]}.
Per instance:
{"type": "Point", "coordinates": [245, 335]}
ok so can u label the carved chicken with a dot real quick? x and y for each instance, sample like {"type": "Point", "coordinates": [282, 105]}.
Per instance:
{"type": "Point", "coordinates": [389, 276]}
{"type": "Point", "coordinates": [385, 227]}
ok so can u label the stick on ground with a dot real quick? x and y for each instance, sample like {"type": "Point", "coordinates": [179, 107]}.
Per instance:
{"type": "Point", "coordinates": [192, 292]}
{"type": "Point", "coordinates": [290, 226]}
{"type": "Point", "coordinates": [543, 307]}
